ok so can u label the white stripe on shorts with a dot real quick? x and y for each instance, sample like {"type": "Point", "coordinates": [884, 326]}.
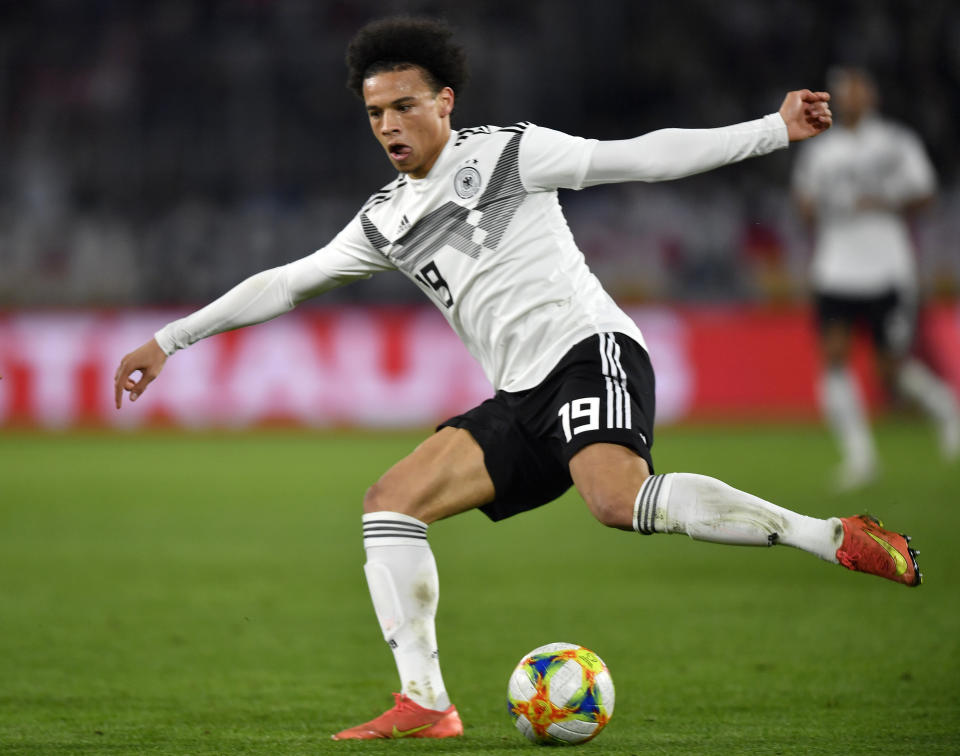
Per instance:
{"type": "Point", "coordinates": [618, 400]}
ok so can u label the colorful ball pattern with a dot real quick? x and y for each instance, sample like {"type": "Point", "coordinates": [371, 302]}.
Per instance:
{"type": "Point", "coordinates": [560, 693]}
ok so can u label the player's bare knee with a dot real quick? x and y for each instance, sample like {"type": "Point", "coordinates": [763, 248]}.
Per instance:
{"type": "Point", "coordinates": [381, 498]}
{"type": "Point", "coordinates": [384, 496]}
{"type": "Point", "coordinates": [613, 509]}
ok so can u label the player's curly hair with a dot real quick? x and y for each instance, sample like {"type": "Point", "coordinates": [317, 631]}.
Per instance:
{"type": "Point", "coordinates": [395, 43]}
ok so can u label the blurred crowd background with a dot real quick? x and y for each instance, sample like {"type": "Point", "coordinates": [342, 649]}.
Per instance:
{"type": "Point", "coordinates": [159, 152]}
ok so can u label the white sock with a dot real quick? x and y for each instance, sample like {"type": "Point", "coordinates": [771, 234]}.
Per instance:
{"type": "Point", "coordinates": [402, 577]}
{"type": "Point", "coordinates": [709, 510]}
{"type": "Point", "coordinates": [918, 383]}
{"type": "Point", "coordinates": [843, 406]}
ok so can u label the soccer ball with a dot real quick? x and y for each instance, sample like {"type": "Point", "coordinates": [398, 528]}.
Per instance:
{"type": "Point", "coordinates": [560, 693]}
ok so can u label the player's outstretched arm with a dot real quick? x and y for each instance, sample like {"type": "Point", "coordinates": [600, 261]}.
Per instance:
{"type": "Point", "coordinates": [260, 297]}
{"type": "Point", "coordinates": [806, 113]}
{"type": "Point", "coordinates": [669, 154]}
{"type": "Point", "coordinates": [149, 360]}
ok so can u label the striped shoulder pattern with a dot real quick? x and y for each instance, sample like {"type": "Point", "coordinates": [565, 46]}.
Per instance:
{"type": "Point", "coordinates": [464, 134]}
{"type": "Point", "coordinates": [382, 195]}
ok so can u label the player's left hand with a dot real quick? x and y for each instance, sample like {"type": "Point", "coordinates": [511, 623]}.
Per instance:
{"type": "Point", "coordinates": [806, 113]}
{"type": "Point", "coordinates": [148, 359]}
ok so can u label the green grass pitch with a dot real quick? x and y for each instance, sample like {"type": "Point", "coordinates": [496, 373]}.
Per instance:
{"type": "Point", "coordinates": [167, 593]}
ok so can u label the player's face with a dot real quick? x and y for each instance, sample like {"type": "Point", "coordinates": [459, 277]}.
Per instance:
{"type": "Point", "coordinates": [408, 119]}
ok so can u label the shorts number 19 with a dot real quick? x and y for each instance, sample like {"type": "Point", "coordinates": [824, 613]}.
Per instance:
{"type": "Point", "coordinates": [588, 408]}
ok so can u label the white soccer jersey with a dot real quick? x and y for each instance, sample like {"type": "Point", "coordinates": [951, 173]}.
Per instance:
{"type": "Point", "coordinates": [483, 235]}
{"type": "Point", "coordinates": [863, 251]}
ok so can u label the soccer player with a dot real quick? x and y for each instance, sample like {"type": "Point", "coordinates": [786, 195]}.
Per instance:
{"type": "Point", "coordinates": [473, 219]}
{"type": "Point", "coordinates": [857, 184]}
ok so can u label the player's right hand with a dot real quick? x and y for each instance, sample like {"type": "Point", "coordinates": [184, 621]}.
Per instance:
{"type": "Point", "coordinates": [149, 360]}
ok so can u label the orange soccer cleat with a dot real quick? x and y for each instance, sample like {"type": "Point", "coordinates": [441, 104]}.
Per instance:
{"type": "Point", "coordinates": [407, 719]}
{"type": "Point", "coordinates": [868, 547]}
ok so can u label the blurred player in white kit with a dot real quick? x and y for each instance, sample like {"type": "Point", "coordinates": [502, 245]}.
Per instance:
{"type": "Point", "coordinates": [858, 185]}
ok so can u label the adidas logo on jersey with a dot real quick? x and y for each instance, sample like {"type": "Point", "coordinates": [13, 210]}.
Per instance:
{"type": "Point", "coordinates": [404, 225]}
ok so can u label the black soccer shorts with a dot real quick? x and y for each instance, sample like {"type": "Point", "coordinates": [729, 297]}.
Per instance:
{"type": "Point", "coordinates": [890, 318]}
{"type": "Point", "coordinates": [602, 390]}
